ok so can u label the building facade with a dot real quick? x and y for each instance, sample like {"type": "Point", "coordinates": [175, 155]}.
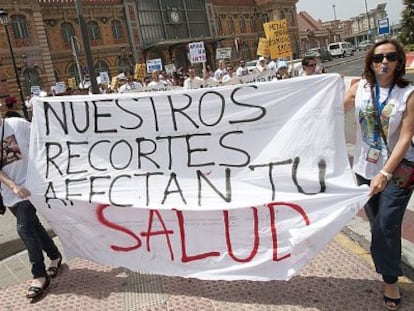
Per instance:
{"type": "Point", "coordinates": [315, 33]}
{"type": "Point", "coordinates": [46, 35]}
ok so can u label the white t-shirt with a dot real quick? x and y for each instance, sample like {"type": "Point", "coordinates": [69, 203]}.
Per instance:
{"type": "Point", "coordinates": [230, 80]}
{"type": "Point", "coordinates": [153, 85]}
{"type": "Point", "coordinates": [16, 140]}
{"type": "Point", "coordinates": [219, 74]}
{"type": "Point", "coordinates": [242, 71]}
{"type": "Point", "coordinates": [195, 83]}
{"type": "Point", "coordinates": [391, 118]}
{"type": "Point", "coordinates": [130, 87]}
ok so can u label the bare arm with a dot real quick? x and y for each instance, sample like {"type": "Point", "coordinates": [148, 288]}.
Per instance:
{"type": "Point", "coordinates": [20, 191]}
{"type": "Point", "coordinates": [400, 149]}
{"type": "Point", "coordinates": [349, 100]}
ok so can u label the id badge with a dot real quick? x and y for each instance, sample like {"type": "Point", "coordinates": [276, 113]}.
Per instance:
{"type": "Point", "coordinates": [373, 154]}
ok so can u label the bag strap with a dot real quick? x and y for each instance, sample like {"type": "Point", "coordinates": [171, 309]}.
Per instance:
{"type": "Point", "coordinates": [381, 129]}
{"type": "Point", "coordinates": [378, 117]}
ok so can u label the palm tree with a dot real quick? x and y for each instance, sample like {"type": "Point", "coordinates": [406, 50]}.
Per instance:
{"type": "Point", "coordinates": [407, 22]}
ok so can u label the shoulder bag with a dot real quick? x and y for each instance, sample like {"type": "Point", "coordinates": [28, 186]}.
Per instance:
{"type": "Point", "coordinates": [2, 206]}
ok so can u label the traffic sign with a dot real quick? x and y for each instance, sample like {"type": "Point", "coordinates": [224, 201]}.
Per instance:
{"type": "Point", "coordinates": [383, 26]}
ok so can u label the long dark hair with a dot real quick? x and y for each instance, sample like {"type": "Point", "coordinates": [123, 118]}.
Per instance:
{"type": "Point", "coordinates": [399, 72]}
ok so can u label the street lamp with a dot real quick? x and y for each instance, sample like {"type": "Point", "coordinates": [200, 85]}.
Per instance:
{"type": "Point", "coordinates": [369, 23]}
{"type": "Point", "coordinates": [334, 6]}
{"type": "Point", "coordinates": [4, 20]}
{"type": "Point", "coordinates": [125, 60]}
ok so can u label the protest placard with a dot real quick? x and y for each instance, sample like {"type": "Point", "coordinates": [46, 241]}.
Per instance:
{"type": "Point", "coordinates": [263, 47]}
{"type": "Point", "coordinates": [277, 34]}
{"type": "Point", "coordinates": [197, 52]}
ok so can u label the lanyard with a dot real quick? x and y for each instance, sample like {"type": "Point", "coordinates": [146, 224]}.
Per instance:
{"type": "Point", "coordinates": [379, 107]}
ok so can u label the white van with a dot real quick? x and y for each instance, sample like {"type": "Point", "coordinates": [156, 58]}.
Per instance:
{"type": "Point", "coordinates": [340, 49]}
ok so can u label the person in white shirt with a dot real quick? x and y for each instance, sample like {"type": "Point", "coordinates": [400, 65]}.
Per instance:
{"type": "Point", "coordinates": [282, 70]}
{"type": "Point", "coordinates": [15, 140]}
{"type": "Point", "coordinates": [230, 77]}
{"type": "Point", "coordinates": [242, 70]}
{"type": "Point", "coordinates": [165, 78]}
{"type": "Point", "coordinates": [193, 81]}
{"type": "Point", "coordinates": [221, 71]}
{"type": "Point", "coordinates": [156, 83]}
{"type": "Point", "coordinates": [273, 65]}
{"type": "Point", "coordinates": [261, 64]}
{"type": "Point", "coordinates": [309, 65]}
{"type": "Point", "coordinates": [130, 85]}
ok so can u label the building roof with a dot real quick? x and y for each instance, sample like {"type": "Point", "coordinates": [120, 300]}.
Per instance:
{"type": "Point", "coordinates": [307, 22]}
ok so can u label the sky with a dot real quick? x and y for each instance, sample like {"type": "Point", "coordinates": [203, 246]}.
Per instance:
{"type": "Point", "coordinates": [346, 9]}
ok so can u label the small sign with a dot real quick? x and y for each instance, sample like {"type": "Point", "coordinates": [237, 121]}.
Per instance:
{"type": "Point", "coordinates": [35, 90]}
{"type": "Point", "coordinates": [139, 72]}
{"type": "Point", "coordinates": [170, 69]}
{"type": "Point", "coordinates": [60, 87]}
{"type": "Point", "coordinates": [223, 53]}
{"type": "Point", "coordinates": [154, 64]}
{"type": "Point", "coordinates": [197, 53]}
{"type": "Point", "coordinates": [104, 77]}
{"type": "Point", "coordinates": [383, 26]}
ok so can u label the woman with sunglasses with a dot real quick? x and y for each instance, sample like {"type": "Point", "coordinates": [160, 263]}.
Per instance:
{"type": "Point", "coordinates": [384, 109]}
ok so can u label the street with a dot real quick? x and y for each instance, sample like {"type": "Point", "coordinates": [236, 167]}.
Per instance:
{"type": "Point", "coordinates": [353, 66]}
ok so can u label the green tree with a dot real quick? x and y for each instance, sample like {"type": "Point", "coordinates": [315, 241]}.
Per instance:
{"type": "Point", "coordinates": [407, 22]}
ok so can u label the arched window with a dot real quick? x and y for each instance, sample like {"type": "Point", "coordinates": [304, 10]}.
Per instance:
{"type": "Point", "coordinates": [252, 24]}
{"type": "Point", "coordinates": [101, 66]}
{"type": "Point", "coordinates": [93, 31]}
{"type": "Point", "coordinates": [245, 51]}
{"type": "Point", "coordinates": [230, 22]}
{"type": "Point", "coordinates": [74, 73]}
{"type": "Point", "coordinates": [31, 78]}
{"type": "Point", "coordinates": [243, 24]}
{"type": "Point", "coordinates": [67, 32]}
{"type": "Point", "coordinates": [117, 30]}
{"type": "Point", "coordinates": [219, 26]}
{"type": "Point", "coordinates": [291, 17]}
{"type": "Point", "coordinates": [20, 28]}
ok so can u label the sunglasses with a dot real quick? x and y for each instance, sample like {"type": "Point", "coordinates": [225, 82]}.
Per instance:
{"type": "Point", "coordinates": [391, 57]}
{"type": "Point", "coordinates": [311, 65]}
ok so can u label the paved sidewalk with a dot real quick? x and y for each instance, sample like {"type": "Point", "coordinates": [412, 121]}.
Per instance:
{"type": "Point", "coordinates": [341, 278]}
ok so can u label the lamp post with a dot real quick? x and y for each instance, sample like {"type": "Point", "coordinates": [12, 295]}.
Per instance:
{"type": "Point", "coordinates": [4, 20]}
{"type": "Point", "coordinates": [369, 23]}
{"type": "Point", "coordinates": [126, 60]}
{"type": "Point", "coordinates": [334, 6]}
{"type": "Point", "coordinates": [87, 47]}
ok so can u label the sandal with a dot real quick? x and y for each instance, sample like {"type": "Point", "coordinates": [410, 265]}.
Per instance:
{"type": "Point", "coordinates": [392, 303]}
{"type": "Point", "coordinates": [53, 271]}
{"type": "Point", "coordinates": [35, 291]}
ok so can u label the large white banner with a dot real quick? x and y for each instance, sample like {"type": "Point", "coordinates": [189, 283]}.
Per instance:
{"type": "Point", "coordinates": [238, 182]}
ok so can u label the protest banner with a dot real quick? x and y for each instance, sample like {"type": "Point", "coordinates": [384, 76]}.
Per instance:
{"type": "Point", "coordinates": [236, 182]}
{"type": "Point", "coordinates": [277, 34]}
{"type": "Point", "coordinates": [264, 76]}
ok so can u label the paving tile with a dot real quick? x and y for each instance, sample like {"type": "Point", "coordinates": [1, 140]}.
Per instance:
{"type": "Point", "coordinates": [337, 279]}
